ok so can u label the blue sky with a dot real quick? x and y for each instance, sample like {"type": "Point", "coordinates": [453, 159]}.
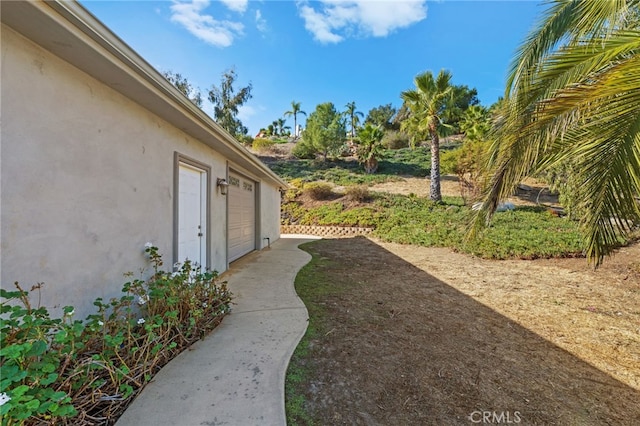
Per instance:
{"type": "Point", "coordinates": [339, 51]}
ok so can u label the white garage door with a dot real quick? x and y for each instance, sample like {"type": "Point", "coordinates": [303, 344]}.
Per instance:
{"type": "Point", "coordinates": [242, 216]}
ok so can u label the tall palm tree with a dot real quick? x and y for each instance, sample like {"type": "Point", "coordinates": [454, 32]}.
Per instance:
{"type": "Point", "coordinates": [354, 117]}
{"type": "Point", "coordinates": [573, 97]}
{"type": "Point", "coordinates": [426, 104]}
{"type": "Point", "coordinates": [295, 110]}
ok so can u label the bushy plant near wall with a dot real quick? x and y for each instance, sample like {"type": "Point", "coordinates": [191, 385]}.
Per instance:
{"type": "Point", "coordinates": [67, 371]}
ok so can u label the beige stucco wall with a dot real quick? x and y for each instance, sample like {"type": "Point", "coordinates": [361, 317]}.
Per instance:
{"type": "Point", "coordinates": [87, 179]}
{"type": "Point", "coordinates": [269, 224]}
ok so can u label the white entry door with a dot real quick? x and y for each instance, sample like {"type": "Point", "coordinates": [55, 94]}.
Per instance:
{"type": "Point", "coordinates": [192, 208]}
{"type": "Point", "coordinates": [242, 216]}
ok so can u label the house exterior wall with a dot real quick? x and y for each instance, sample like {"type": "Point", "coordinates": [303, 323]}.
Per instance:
{"type": "Point", "coordinates": [87, 179]}
{"type": "Point", "coordinates": [269, 225]}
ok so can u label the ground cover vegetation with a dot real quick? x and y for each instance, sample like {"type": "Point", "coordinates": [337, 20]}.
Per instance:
{"type": "Point", "coordinates": [86, 372]}
{"type": "Point", "coordinates": [526, 232]}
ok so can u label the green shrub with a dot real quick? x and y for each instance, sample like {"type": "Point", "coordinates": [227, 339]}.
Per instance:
{"type": "Point", "coordinates": [394, 139]}
{"type": "Point", "coordinates": [358, 193]}
{"type": "Point", "coordinates": [55, 369]}
{"type": "Point", "coordinates": [304, 150]}
{"type": "Point", "coordinates": [467, 162]}
{"type": "Point", "coordinates": [318, 190]}
{"type": "Point", "coordinates": [523, 233]}
{"type": "Point", "coordinates": [245, 139]}
{"type": "Point", "coordinates": [297, 183]}
{"type": "Point", "coordinates": [262, 144]}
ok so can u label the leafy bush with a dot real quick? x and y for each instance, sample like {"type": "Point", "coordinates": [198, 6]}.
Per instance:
{"type": "Point", "coordinates": [359, 193]}
{"type": "Point", "coordinates": [467, 162]}
{"type": "Point", "coordinates": [318, 190]}
{"type": "Point", "coordinates": [262, 144]}
{"type": "Point", "coordinates": [245, 139]}
{"type": "Point", "coordinates": [304, 150]}
{"type": "Point", "coordinates": [73, 372]}
{"type": "Point", "coordinates": [523, 233]}
{"type": "Point", "coordinates": [394, 139]}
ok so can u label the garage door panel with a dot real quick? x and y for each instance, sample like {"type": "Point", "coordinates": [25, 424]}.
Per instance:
{"type": "Point", "coordinates": [242, 216]}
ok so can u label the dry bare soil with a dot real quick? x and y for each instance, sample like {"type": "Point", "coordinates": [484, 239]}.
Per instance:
{"type": "Point", "coordinates": [421, 336]}
{"type": "Point", "coordinates": [426, 336]}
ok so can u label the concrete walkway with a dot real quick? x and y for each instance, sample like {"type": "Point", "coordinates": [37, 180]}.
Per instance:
{"type": "Point", "coordinates": [235, 376]}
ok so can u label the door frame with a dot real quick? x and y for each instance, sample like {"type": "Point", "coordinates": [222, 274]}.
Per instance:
{"type": "Point", "coordinates": [179, 159]}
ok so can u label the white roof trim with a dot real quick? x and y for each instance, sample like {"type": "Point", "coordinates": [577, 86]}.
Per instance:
{"type": "Point", "coordinates": [71, 32]}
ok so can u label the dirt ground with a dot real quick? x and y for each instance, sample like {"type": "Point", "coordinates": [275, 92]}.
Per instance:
{"type": "Point", "coordinates": [427, 336]}
{"type": "Point", "coordinates": [421, 336]}
{"type": "Point", "coordinates": [533, 192]}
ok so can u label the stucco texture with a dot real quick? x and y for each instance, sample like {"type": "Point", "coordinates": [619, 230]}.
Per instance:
{"type": "Point", "coordinates": [88, 179]}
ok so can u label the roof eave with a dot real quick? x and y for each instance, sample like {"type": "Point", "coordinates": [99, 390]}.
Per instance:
{"type": "Point", "coordinates": [71, 32]}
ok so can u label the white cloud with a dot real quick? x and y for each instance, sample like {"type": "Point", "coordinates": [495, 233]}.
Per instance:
{"type": "Point", "coordinates": [245, 112]}
{"type": "Point", "coordinates": [205, 27]}
{"type": "Point", "coordinates": [236, 5]}
{"type": "Point", "coordinates": [261, 23]}
{"type": "Point", "coordinates": [318, 24]}
{"type": "Point", "coordinates": [333, 20]}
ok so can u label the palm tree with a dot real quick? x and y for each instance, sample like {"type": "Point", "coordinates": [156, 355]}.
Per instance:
{"type": "Point", "coordinates": [295, 110]}
{"type": "Point", "coordinates": [369, 147]}
{"type": "Point", "coordinates": [573, 97]}
{"type": "Point", "coordinates": [354, 117]}
{"type": "Point", "coordinates": [426, 104]}
{"type": "Point", "coordinates": [280, 125]}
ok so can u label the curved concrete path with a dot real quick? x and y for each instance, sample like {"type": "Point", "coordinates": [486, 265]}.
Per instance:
{"type": "Point", "coordinates": [235, 376]}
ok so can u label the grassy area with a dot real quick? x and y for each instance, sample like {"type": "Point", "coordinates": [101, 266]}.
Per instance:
{"type": "Point", "coordinates": [527, 232]}
{"type": "Point", "coordinates": [311, 287]}
{"type": "Point", "coordinates": [394, 163]}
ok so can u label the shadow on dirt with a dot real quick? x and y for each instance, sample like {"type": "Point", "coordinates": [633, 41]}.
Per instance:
{"type": "Point", "coordinates": [398, 346]}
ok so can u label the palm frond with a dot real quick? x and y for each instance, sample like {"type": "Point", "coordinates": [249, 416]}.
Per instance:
{"type": "Point", "coordinates": [569, 22]}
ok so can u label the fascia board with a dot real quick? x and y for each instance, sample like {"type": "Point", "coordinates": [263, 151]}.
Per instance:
{"type": "Point", "coordinates": [72, 33]}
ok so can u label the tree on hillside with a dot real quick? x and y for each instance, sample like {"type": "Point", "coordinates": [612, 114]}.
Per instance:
{"type": "Point", "coordinates": [295, 110]}
{"type": "Point", "coordinates": [475, 123]}
{"type": "Point", "coordinates": [459, 101]}
{"type": "Point", "coordinates": [353, 116]}
{"type": "Point", "coordinates": [281, 127]}
{"type": "Point", "coordinates": [183, 85]}
{"type": "Point", "coordinates": [427, 104]}
{"type": "Point", "coordinates": [573, 96]}
{"type": "Point", "coordinates": [382, 116]}
{"type": "Point", "coordinates": [226, 102]}
{"type": "Point", "coordinates": [325, 130]}
{"type": "Point", "coordinates": [370, 147]}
